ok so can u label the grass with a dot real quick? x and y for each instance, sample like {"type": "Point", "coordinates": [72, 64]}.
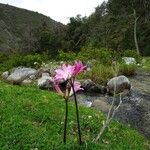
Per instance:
{"type": "Point", "coordinates": [101, 74]}
{"type": "Point", "coordinates": [146, 63]}
{"type": "Point", "coordinates": [32, 119]}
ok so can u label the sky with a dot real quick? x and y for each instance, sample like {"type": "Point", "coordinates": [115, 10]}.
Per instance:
{"type": "Point", "coordinates": [59, 10]}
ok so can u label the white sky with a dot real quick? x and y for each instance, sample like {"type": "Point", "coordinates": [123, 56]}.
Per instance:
{"type": "Point", "coordinates": [59, 10]}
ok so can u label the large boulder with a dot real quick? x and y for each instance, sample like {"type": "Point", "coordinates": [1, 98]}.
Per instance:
{"type": "Point", "coordinates": [27, 81]}
{"type": "Point", "coordinates": [129, 60]}
{"type": "Point", "coordinates": [20, 74]}
{"type": "Point", "coordinates": [45, 82]}
{"type": "Point", "coordinates": [122, 84]}
{"type": "Point", "coordinates": [89, 86]}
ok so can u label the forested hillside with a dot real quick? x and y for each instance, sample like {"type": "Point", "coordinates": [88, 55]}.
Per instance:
{"type": "Point", "coordinates": [22, 30]}
{"type": "Point", "coordinates": [114, 25]}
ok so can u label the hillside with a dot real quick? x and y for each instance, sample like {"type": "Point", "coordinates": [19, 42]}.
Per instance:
{"type": "Point", "coordinates": [33, 119]}
{"type": "Point", "coordinates": [19, 27]}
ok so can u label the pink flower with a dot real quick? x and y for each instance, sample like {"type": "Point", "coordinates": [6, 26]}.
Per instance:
{"type": "Point", "coordinates": [64, 73]}
{"type": "Point", "coordinates": [77, 87]}
{"type": "Point", "coordinates": [57, 88]}
{"type": "Point", "coordinates": [79, 67]}
{"type": "Point", "coordinates": [67, 92]}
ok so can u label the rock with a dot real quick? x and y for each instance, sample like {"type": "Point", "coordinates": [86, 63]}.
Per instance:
{"type": "Point", "coordinates": [53, 68]}
{"type": "Point", "coordinates": [41, 71]}
{"type": "Point", "coordinates": [122, 83]}
{"type": "Point", "coordinates": [27, 81]}
{"type": "Point", "coordinates": [101, 104]}
{"type": "Point", "coordinates": [5, 75]}
{"type": "Point", "coordinates": [89, 86]}
{"type": "Point", "coordinates": [129, 60]}
{"type": "Point", "coordinates": [45, 82]}
{"type": "Point", "coordinates": [20, 74]}
{"type": "Point", "coordinates": [32, 77]}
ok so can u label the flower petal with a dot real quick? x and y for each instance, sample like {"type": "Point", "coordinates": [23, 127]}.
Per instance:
{"type": "Point", "coordinates": [79, 67]}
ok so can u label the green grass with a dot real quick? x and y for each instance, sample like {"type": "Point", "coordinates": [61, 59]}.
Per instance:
{"type": "Point", "coordinates": [146, 64]}
{"type": "Point", "coordinates": [101, 74]}
{"type": "Point", "coordinates": [33, 119]}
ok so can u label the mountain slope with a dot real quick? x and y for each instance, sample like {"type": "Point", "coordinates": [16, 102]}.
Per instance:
{"type": "Point", "coordinates": [17, 26]}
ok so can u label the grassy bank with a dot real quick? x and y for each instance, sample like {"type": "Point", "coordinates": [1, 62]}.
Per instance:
{"type": "Point", "coordinates": [33, 119]}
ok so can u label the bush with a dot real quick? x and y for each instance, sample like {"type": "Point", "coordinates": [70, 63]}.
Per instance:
{"type": "Point", "coordinates": [31, 60]}
{"type": "Point", "coordinates": [100, 74]}
{"type": "Point", "coordinates": [66, 56]}
{"type": "Point", "coordinates": [3, 57]}
{"type": "Point", "coordinates": [146, 63]}
{"type": "Point", "coordinates": [132, 53]}
{"type": "Point", "coordinates": [102, 55]}
{"type": "Point", "coordinates": [127, 70]}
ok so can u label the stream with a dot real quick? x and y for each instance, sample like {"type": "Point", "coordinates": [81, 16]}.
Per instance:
{"type": "Point", "coordinates": [135, 107]}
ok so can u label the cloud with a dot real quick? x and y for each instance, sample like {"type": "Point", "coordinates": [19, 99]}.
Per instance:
{"type": "Point", "coordinates": [59, 10]}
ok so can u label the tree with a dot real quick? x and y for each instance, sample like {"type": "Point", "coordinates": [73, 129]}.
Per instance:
{"type": "Point", "coordinates": [76, 32]}
{"type": "Point", "coordinates": [48, 40]}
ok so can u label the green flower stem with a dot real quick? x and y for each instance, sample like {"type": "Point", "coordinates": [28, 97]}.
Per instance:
{"type": "Point", "coordinates": [77, 112]}
{"type": "Point", "coordinates": [65, 121]}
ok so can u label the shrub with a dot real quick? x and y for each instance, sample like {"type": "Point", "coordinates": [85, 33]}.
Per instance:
{"type": "Point", "coordinates": [3, 57]}
{"type": "Point", "coordinates": [102, 55]}
{"type": "Point", "coordinates": [16, 60]}
{"type": "Point", "coordinates": [99, 74]}
{"type": "Point", "coordinates": [132, 53]}
{"type": "Point", "coordinates": [146, 63]}
{"type": "Point", "coordinates": [66, 56]}
{"type": "Point", "coordinates": [127, 70]}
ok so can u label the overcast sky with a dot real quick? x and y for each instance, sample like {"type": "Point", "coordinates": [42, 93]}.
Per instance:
{"type": "Point", "coordinates": [59, 10]}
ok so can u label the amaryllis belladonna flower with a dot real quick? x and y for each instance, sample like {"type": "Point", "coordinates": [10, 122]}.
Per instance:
{"type": "Point", "coordinates": [66, 90]}
{"type": "Point", "coordinates": [79, 67]}
{"type": "Point", "coordinates": [65, 85]}
{"type": "Point", "coordinates": [64, 73]}
{"type": "Point", "coordinates": [68, 71]}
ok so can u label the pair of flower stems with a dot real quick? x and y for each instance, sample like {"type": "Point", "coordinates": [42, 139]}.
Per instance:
{"type": "Point", "coordinates": [77, 115]}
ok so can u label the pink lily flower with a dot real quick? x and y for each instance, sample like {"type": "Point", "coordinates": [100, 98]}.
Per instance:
{"type": "Point", "coordinates": [77, 87]}
{"type": "Point", "coordinates": [67, 92]}
{"type": "Point", "coordinates": [64, 73]}
{"type": "Point", "coordinates": [79, 67]}
{"type": "Point", "coordinates": [65, 85]}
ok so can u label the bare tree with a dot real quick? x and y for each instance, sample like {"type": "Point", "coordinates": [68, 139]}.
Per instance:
{"type": "Point", "coordinates": [135, 31]}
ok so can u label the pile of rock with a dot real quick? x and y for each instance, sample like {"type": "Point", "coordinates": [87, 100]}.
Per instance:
{"type": "Point", "coordinates": [20, 75]}
{"type": "Point", "coordinates": [42, 77]}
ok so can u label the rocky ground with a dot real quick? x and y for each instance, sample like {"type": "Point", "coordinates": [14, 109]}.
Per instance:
{"type": "Point", "coordinates": [135, 108]}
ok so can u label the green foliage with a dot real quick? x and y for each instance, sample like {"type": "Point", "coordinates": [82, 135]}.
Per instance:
{"type": "Point", "coordinates": [89, 52]}
{"type": "Point", "coordinates": [132, 53]}
{"type": "Point", "coordinates": [99, 73]}
{"type": "Point", "coordinates": [66, 56]}
{"type": "Point", "coordinates": [48, 41]}
{"type": "Point", "coordinates": [3, 57]}
{"type": "Point", "coordinates": [75, 34]}
{"type": "Point", "coordinates": [146, 63]}
{"type": "Point", "coordinates": [31, 60]}
{"type": "Point", "coordinates": [127, 69]}
{"type": "Point", "coordinates": [33, 119]}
